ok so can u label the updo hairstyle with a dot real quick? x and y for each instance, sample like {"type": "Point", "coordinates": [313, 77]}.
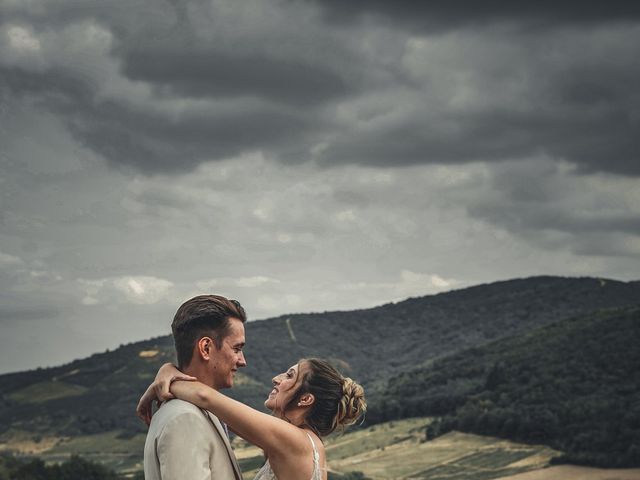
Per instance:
{"type": "Point", "coordinates": [339, 401]}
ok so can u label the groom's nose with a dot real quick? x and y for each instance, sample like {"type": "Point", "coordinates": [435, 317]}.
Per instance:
{"type": "Point", "coordinates": [242, 362]}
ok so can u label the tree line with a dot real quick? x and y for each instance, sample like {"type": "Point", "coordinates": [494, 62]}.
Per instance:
{"type": "Point", "coordinates": [574, 386]}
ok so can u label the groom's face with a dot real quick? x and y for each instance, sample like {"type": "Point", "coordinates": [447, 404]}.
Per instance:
{"type": "Point", "coordinates": [229, 357]}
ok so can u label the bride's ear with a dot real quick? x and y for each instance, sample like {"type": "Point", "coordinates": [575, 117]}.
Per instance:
{"type": "Point", "coordinates": [306, 400]}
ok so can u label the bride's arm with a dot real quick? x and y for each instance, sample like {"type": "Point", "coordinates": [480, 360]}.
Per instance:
{"type": "Point", "coordinates": [271, 434]}
{"type": "Point", "coordinates": [159, 391]}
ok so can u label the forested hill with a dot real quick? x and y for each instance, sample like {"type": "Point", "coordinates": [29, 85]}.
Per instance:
{"type": "Point", "coordinates": [98, 394]}
{"type": "Point", "coordinates": [382, 341]}
{"type": "Point", "coordinates": [573, 385]}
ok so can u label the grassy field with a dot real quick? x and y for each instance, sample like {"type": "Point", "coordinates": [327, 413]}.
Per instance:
{"type": "Point", "coordinates": [572, 472]}
{"type": "Point", "coordinates": [121, 454]}
{"type": "Point", "coordinates": [393, 450]}
{"type": "Point", "coordinates": [397, 450]}
{"type": "Point", "coordinates": [45, 391]}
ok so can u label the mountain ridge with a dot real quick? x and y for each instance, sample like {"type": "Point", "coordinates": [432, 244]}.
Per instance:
{"type": "Point", "coordinates": [98, 394]}
{"type": "Point", "coordinates": [631, 284]}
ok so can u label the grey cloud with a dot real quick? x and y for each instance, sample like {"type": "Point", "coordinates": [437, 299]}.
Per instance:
{"type": "Point", "coordinates": [194, 73]}
{"type": "Point", "coordinates": [572, 94]}
{"type": "Point", "coordinates": [580, 103]}
{"type": "Point", "coordinates": [55, 88]}
{"type": "Point", "coordinates": [552, 208]}
{"type": "Point", "coordinates": [120, 17]}
{"type": "Point", "coordinates": [552, 217]}
{"type": "Point", "coordinates": [275, 89]}
{"type": "Point", "coordinates": [8, 314]}
{"type": "Point", "coordinates": [153, 141]}
{"type": "Point", "coordinates": [622, 246]}
{"type": "Point", "coordinates": [197, 55]}
{"type": "Point", "coordinates": [178, 50]}
{"type": "Point", "coordinates": [126, 136]}
{"type": "Point", "coordinates": [322, 230]}
{"type": "Point", "coordinates": [596, 141]}
{"type": "Point", "coordinates": [446, 14]}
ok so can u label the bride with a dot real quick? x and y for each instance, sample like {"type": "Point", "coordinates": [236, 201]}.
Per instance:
{"type": "Point", "coordinates": [308, 402]}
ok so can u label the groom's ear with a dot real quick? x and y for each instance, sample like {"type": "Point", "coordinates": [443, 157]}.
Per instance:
{"type": "Point", "coordinates": [306, 399]}
{"type": "Point", "coordinates": [205, 348]}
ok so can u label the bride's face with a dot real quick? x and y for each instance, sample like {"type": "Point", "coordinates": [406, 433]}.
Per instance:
{"type": "Point", "coordinates": [284, 387]}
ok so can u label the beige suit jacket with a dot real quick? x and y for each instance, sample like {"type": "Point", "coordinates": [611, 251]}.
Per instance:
{"type": "Point", "coordinates": [187, 443]}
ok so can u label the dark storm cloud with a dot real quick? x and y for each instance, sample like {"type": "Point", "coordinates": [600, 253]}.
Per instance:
{"type": "Point", "coordinates": [606, 140]}
{"type": "Point", "coordinates": [286, 90]}
{"type": "Point", "coordinates": [152, 142]}
{"type": "Point", "coordinates": [224, 74]}
{"type": "Point", "coordinates": [446, 14]}
{"type": "Point", "coordinates": [55, 87]}
{"type": "Point", "coordinates": [149, 140]}
{"type": "Point", "coordinates": [272, 101]}
{"type": "Point", "coordinates": [167, 51]}
{"type": "Point", "coordinates": [573, 96]}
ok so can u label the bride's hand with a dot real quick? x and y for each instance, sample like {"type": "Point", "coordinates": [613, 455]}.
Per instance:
{"type": "Point", "coordinates": [159, 391]}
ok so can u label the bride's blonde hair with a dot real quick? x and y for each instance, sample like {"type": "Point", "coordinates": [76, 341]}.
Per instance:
{"type": "Point", "coordinates": [339, 401]}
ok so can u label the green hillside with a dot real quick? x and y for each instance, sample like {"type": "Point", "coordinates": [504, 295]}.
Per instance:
{"type": "Point", "coordinates": [94, 398]}
{"type": "Point", "coordinates": [573, 385]}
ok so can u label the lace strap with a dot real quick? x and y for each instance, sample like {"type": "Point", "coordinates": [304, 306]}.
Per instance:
{"type": "Point", "coordinates": [316, 455]}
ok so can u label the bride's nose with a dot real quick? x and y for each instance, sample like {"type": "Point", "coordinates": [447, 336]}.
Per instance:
{"type": "Point", "coordinates": [276, 380]}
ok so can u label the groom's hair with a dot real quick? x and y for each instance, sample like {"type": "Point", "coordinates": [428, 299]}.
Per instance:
{"type": "Point", "coordinates": [200, 316]}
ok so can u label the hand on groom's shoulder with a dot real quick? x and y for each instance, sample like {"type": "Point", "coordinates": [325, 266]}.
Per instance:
{"type": "Point", "coordinates": [181, 436]}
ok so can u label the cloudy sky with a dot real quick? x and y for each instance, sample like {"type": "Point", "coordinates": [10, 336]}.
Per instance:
{"type": "Point", "coordinates": [303, 156]}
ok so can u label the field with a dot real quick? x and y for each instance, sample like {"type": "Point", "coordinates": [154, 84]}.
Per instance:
{"type": "Point", "coordinates": [397, 450]}
{"type": "Point", "coordinates": [392, 450]}
{"type": "Point", "coordinates": [45, 391]}
{"type": "Point", "coordinates": [572, 472]}
{"type": "Point", "coordinates": [121, 454]}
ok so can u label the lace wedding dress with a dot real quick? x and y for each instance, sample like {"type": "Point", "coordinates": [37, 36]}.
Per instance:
{"type": "Point", "coordinates": [265, 473]}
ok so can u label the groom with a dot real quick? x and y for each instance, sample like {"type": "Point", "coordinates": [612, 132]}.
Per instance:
{"type": "Point", "coordinates": [185, 442]}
